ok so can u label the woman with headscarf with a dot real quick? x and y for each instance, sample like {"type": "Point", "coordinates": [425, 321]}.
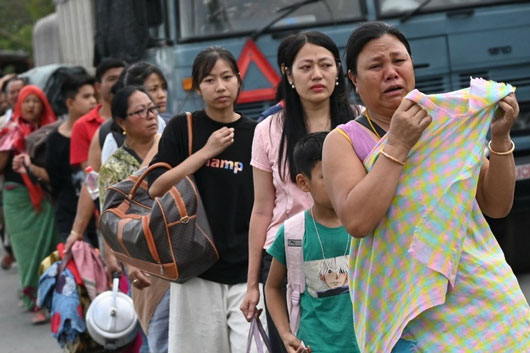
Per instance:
{"type": "Point", "coordinates": [28, 215]}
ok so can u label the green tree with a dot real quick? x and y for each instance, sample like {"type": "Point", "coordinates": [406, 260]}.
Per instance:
{"type": "Point", "coordinates": [17, 18]}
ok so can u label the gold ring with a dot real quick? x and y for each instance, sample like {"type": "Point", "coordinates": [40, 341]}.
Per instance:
{"type": "Point", "coordinates": [135, 282]}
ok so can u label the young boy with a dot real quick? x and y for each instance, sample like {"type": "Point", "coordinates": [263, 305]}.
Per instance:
{"type": "Point", "coordinates": [326, 321]}
{"type": "Point", "coordinates": [80, 95]}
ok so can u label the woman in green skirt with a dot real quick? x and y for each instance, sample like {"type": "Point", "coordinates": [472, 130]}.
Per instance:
{"type": "Point", "coordinates": [28, 215]}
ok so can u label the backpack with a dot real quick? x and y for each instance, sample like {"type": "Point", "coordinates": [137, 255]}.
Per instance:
{"type": "Point", "coordinates": [54, 85]}
{"type": "Point", "coordinates": [110, 127]}
{"type": "Point", "coordinates": [36, 143]}
{"type": "Point", "coordinates": [294, 229]}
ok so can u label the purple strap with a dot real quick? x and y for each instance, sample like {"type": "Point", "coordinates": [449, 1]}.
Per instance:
{"type": "Point", "coordinates": [260, 336]}
{"type": "Point", "coordinates": [294, 229]}
{"type": "Point", "coordinates": [362, 140]}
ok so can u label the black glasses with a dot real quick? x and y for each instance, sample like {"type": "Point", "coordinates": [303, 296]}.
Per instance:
{"type": "Point", "coordinates": [144, 113]}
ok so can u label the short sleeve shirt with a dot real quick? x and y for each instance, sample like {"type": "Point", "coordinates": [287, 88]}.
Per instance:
{"type": "Point", "coordinates": [64, 189]}
{"type": "Point", "coordinates": [122, 163]}
{"type": "Point", "coordinates": [325, 306]}
{"type": "Point", "coordinates": [288, 198]}
{"type": "Point", "coordinates": [82, 133]}
{"type": "Point", "coordinates": [225, 186]}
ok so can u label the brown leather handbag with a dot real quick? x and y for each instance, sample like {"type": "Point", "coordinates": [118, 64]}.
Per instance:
{"type": "Point", "coordinates": [169, 236]}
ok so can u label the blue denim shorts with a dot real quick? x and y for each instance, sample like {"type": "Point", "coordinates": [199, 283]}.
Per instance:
{"type": "Point", "coordinates": [405, 346]}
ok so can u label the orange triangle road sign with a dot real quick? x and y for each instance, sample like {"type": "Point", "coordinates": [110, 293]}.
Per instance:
{"type": "Point", "coordinates": [249, 53]}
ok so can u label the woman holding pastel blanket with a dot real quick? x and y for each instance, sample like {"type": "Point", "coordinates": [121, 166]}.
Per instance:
{"type": "Point", "coordinates": [410, 186]}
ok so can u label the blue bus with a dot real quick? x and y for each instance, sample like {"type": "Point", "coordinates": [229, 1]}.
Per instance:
{"type": "Point", "coordinates": [451, 40]}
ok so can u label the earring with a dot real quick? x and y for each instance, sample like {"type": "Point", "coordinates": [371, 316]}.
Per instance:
{"type": "Point", "coordinates": [292, 85]}
{"type": "Point", "coordinates": [337, 81]}
{"type": "Point", "coordinates": [124, 132]}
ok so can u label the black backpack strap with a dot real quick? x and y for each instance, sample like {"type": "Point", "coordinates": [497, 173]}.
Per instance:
{"type": "Point", "coordinates": [109, 127]}
{"type": "Point", "coordinates": [120, 138]}
{"type": "Point", "coordinates": [361, 119]}
{"type": "Point", "coordinates": [104, 130]}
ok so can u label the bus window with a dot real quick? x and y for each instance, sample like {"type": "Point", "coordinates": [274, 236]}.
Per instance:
{"type": "Point", "coordinates": [221, 18]}
{"type": "Point", "coordinates": [388, 8]}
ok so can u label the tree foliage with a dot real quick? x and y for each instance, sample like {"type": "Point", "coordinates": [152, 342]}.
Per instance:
{"type": "Point", "coordinates": [17, 18]}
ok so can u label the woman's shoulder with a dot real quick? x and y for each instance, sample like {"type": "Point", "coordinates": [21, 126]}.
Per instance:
{"type": "Point", "coordinates": [350, 127]}
{"type": "Point", "coordinates": [246, 122]}
{"type": "Point", "coordinates": [177, 120]}
{"type": "Point", "coordinates": [271, 125]}
{"type": "Point", "coordinates": [120, 165]}
{"type": "Point", "coordinates": [120, 159]}
{"type": "Point", "coordinates": [181, 120]}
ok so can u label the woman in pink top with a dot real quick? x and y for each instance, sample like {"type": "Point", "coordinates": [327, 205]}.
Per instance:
{"type": "Point", "coordinates": [315, 100]}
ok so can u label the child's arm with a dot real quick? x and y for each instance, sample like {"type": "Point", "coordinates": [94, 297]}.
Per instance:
{"type": "Point", "coordinates": [276, 306]}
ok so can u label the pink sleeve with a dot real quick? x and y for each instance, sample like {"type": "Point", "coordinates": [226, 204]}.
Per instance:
{"type": "Point", "coordinates": [261, 146]}
{"type": "Point", "coordinates": [8, 137]}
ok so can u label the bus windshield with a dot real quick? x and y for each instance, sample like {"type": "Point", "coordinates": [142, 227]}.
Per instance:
{"type": "Point", "coordinates": [215, 18]}
{"type": "Point", "coordinates": [389, 8]}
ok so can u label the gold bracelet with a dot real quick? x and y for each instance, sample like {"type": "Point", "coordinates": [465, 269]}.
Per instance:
{"type": "Point", "coordinates": [75, 234]}
{"type": "Point", "coordinates": [392, 158]}
{"type": "Point", "coordinates": [510, 151]}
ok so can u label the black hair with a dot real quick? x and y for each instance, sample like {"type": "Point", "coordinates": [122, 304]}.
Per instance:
{"type": "Point", "coordinates": [282, 50]}
{"type": "Point", "coordinates": [120, 83]}
{"type": "Point", "coordinates": [107, 64]}
{"type": "Point", "coordinates": [294, 124]}
{"type": "Point", "coordinates": [205, 61]}
{"type": "Point", "coordinates": [120, 102]}
{"type": "Point", "coordinates": [72, 84]}
{"type": "Point", "coordinates": [13, 79]}
{"type": "Point", "coordinates": [280, 58]}
{"type": "Point", "coordinates": [137, 73]}
{"type": "Point", "coordinates": [364, 34]}
{"type": "Point", "coordinates": [308, 152]}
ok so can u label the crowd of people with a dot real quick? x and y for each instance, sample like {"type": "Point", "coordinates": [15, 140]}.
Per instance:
{"type": "Point", "coordinates": [394, 254]}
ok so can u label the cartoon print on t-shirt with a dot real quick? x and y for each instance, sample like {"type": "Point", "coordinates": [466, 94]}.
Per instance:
{"type": "Point", "coordinates": [326, 277]}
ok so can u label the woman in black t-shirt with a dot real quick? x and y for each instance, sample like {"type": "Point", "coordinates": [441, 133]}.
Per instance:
{"type": "Point", "coordinates": [204, 312]}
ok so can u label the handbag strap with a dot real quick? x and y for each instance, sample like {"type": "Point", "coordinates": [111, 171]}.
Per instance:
{"type": "Point", "coordinates": [190, 133]}
{"type": "Point", "coordinates": [139, 181]}
{"type": "Point", "coordinates": [257, 332]}
{"type": "Point", "coordinates": [152, 167]}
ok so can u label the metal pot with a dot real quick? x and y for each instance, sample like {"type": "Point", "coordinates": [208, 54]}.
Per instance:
{"type": "Point", "coordinates": [111, 320]}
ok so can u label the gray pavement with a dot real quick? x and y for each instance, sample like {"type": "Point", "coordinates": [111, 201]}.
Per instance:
{"type": "Point", "coordinates": [17, 335]}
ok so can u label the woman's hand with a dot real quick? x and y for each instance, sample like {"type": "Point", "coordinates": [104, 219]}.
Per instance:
{"type": "Point", "coordinates": [407, 125]}
{"type": "Point", "coordinates": [507, 112]}
{"type": "Point", "coordinates": [72, 238]}
{"type": "Point", "coordinates": [19, 161]}
{"type": "Point", "coordinates": [250, 301]}
{"type": "Point", "coordinates": [138, 278]}
{"type": "Point", "coordinates": [218, 141]}
{"type": "Point", "coordinates": [496, 182]}
{"type": "Point", "coordinates": [112, 264]}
